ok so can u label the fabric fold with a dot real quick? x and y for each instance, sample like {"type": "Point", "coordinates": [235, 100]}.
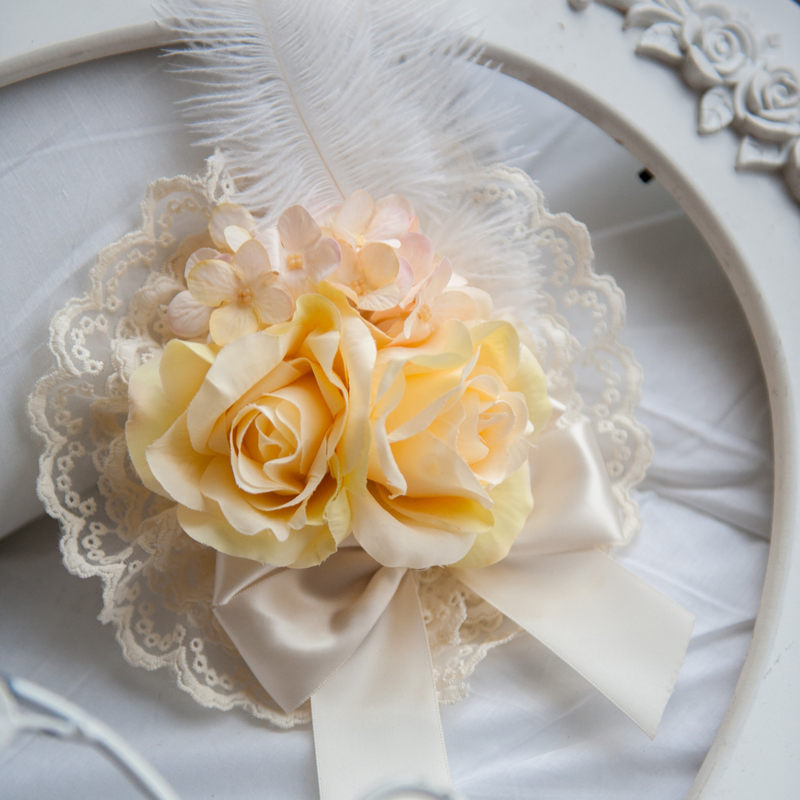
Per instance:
{"type": "Point", "coordinates": [623, 636]}
{"type": "Point", "coordinates": [574, 507]}
{"type": "Point", "coordinates": [376, 719]}
{"type": "Point", "coordinates": [294, 628]}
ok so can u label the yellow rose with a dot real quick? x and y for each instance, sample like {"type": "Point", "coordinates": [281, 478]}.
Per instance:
{"type": "Point", "coordinates": [260, 442]}
{"type": "Point", "coordinates": [452, 417]}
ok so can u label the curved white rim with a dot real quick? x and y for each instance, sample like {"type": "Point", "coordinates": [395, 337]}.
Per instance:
{"type": "Point", "coordinates": [773, 360]}
{"type": "Point", "coordinates": [76, 51]}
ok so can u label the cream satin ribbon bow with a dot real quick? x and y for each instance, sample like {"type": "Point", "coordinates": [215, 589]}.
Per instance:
{"type": "Point", "coordinates": [349, 633]}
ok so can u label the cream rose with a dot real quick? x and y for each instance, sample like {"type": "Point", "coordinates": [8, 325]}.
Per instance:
{"type": "Point", "coordinates": [260, 442]}
{"type": "Point", "coordinates": [452, 417]}
{"type": "Point", "coordinates": [766, 104]}
{"type": "Point", "coordinates": [717, 47]}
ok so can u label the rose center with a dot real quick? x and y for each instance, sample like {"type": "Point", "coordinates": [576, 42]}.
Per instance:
{"type": "Point", "coordinates": [294, 261]}
{"type": "Point", "coordinates": [425, 313]}
{"type": "Point", "coordinates": [722, 44]}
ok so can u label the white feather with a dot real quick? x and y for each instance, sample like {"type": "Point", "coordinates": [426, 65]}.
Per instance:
{"type": "Point", "coordinates": [311, 100]}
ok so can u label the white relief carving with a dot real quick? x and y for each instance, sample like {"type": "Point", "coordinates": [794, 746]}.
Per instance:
{"type": "Point", "coordinates": [718, 55]}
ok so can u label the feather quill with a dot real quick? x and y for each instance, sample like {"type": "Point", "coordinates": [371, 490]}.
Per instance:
{"type": "Point", "coordinates": [310, 101]}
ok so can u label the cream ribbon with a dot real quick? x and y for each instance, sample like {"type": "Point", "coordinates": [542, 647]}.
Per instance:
{"type": "Point", "coordinates": [349, 634]}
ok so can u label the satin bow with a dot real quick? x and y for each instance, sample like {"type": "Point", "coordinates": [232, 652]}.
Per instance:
{"type": "Point", "coordinates": [349, 634]}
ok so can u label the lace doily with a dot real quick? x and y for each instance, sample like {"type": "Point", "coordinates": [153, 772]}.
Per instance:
{"type": "Point", "coordinates": [158, 582]}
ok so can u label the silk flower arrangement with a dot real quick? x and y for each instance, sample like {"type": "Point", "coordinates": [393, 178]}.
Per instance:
{"type": "Point", "coordinates": [289, 418]}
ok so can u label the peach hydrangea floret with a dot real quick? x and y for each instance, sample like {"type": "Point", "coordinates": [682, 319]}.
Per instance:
{"type": "Point", "coordinates": [299, 251]}
{"type": "Point", "coordinates": [359, 221]}
{"type": "Point", "coordinates": [245, 294]}
{"type": "Point", "coordinates": [373, 272]}
{"type": "Point", "coordinates": [230, 294]}
{"type": "Point", "coordinates": [374, 277]}
{"type": "Point", "coordinates": [252, 280]}
{"type": "Point", "coordinates": [434, 301]}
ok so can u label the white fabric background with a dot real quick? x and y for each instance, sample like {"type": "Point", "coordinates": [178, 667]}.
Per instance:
{"type": "Point", "coordinates": [77, 150]}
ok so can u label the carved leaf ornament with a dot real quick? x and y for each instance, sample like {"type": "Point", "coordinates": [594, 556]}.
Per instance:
{"type": "Point", "coordinates": [718, 55]}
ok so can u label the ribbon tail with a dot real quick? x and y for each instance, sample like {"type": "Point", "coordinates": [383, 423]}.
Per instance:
{"type": "Point", "coordinates": [376, 719]}
{"type": "Point", "coordinates": [623, 636]}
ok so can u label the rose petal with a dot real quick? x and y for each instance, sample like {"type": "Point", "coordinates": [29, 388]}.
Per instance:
{"type": "Point", "coordinates": [150, 415]}
{"type": "Point", "coordinates": [455, 514]}
{"type": "Point", "coordinates": [513, 503]}
{"type": "Point", "coordinates": [509, 450]}
{"type": "Point", "coordinates": [250, 450]}
{"type": "Point", "coordinates": [432, 469]}
{"type": "Point", "coordinates": [338, 515]}
{"type": "Point", "coordinates": [183, 367]}
{"type": "Point", "coordinates": [358, 350]}
{"type": "Point", "coordinates": [217, 482]}
{"type": "Point", "coordinates": [396, 544]}
{"type": "Point", "coordinates": [186, 317]}
{"type": "Point", "coordinates": [251, 365]}
{"type": "Point", "coordinates": [469, 443]}
{"type": "Point", "coordinates": [314, 418]}
{"type": "Point", "coordinates": [323, 505]}
{"type": "Point", "coordinates": [499, 347]}
{"type": "Point", "coordinates": [425, 397]}
{"type": "Point", "coordinates": [177, 466]}
{"type": "Point", "coordinates": [306, 547]}
{"type": "Point", "coordinates": [226, 214]}
{"type": "Point", "coordinates": [334, 395]}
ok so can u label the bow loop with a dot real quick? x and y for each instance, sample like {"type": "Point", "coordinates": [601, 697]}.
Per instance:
{"type": "Point", "coordinates": [574, 505]}
{"type": "Point", "coordinates": [295, 628]}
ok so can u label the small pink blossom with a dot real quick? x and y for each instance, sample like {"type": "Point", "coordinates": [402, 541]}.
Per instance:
{"type": "Point", "coordinates": [359, 221]}
{"type": "Point", "coordinates": [299, 252]}
{"type": "Point", "coordinates": [229, 295]}
{"type": "Point", "coordinates": [374, 278]}
{"type": "Point", "coordinates": [436, 301]}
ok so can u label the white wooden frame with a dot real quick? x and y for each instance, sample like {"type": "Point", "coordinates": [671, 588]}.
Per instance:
{"type": "Point", "coordinates": [587, 60]}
